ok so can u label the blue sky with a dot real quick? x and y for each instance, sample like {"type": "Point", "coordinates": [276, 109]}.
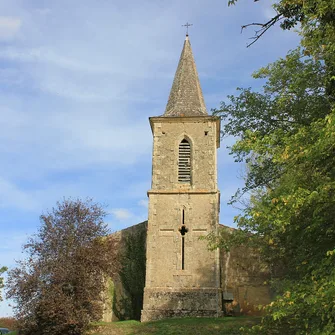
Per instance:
{"type": "Point", "coordinates": [78, 81]}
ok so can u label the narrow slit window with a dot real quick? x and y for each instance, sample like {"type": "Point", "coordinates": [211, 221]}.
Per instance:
{"type": "Point", "coordinates": [183, 230]}
{"type": "Point", "coordinates": [184, 162]}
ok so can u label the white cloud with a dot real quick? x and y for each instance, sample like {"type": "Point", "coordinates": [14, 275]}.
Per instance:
{"type": "Point", "coordinates": [43, 11]}
{"type": "Point", "coordinates": [49, 56]}
{"type": "Point", "coordinates": [9, 27]}
{"type": "Point", "coordinates": [143, 203]}
{"type": "Point", "coordinates": [10, 77]}
{"type": "Point", "coordinates": [121, 213]}
{"type": "Point", "coordinates": [11, 246]}
{"type": "Point", "coordinates": [44, 140]}
{"type": "Point", "coordinates": [137, 189]}
{"type": "Point", "coordinates": [12, 196]}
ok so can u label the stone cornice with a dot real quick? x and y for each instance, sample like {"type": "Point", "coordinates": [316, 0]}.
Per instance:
{"type": "Point", "coordinates": [183, 191]}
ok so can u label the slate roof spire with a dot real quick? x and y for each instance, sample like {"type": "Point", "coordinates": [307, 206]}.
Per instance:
{"type": "Point", "coordinates": [186, 97]}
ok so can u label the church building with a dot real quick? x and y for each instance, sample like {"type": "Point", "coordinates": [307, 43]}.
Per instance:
{"type": "Point", "coordinates": [182, 276]}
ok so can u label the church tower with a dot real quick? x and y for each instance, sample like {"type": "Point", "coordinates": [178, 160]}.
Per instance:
{"type": "Point", "coordinates": [182, 275]}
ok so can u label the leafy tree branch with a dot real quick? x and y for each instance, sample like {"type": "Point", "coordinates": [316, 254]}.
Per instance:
{"type": "Point", "coordinates": [2, 270]}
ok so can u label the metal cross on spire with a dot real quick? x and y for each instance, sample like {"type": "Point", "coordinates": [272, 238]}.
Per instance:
{"type": "Point", "coordinates": [187, 25]}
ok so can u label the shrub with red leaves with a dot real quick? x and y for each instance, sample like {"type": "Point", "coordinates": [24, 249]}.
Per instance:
{"type": "Point", "coordinates": [9, 323]}
{"type": "Point", "coordinates": [58, 287]}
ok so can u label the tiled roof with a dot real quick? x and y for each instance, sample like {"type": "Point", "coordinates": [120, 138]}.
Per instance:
{"type": "Point", "coordinates": [186, 97]}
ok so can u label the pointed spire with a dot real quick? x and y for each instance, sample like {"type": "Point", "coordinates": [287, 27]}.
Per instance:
{"type": "Point", "coordinates": [186, 97]}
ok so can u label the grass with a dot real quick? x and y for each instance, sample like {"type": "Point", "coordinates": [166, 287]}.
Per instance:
{"type": "Point", "coordinates": [185, 326]}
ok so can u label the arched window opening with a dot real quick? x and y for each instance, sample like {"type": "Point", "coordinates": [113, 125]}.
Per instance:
{"type": "Point", "coordinates": [184, 162]}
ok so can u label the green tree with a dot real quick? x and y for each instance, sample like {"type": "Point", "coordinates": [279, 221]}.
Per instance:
{"type": "Point", "coordinates": [2, 270]}
{"type": "Point", "coordinates": [316, 20]}
{"type": "Point", "coordinates": [292, 215]}
{"type": "Point", "coordinates": [286, 138]}
{"type": "Point", "coordinates": [58, 288]}
{"type": "Point", "coordinates": [132, 273]}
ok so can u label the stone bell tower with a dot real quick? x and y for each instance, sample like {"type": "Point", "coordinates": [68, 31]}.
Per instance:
{"type": "Point", "coordinates": [182, 275]}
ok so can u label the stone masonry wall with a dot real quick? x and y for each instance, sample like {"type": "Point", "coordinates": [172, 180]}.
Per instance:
{"type": "Point", "coordinates": [182, 275]}
{"type": "Point", "coordinates": [165, 241]}
{"type": "Point", "coordinates": [244, 280]}
{"type": "Point", "coordinates": [118, 300]}
{"type": "Point", "coordinates": [202, 135]}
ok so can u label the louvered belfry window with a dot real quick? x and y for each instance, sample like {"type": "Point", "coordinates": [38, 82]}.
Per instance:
{"type": "Point", "coordinates": [184, 162]}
